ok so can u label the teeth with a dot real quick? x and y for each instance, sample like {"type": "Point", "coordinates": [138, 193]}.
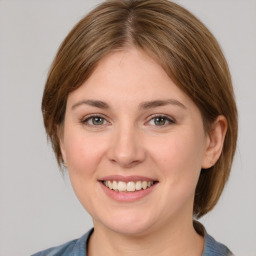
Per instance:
{"type": "Point", "coordinates": [114, 185]}
{"type": "Point", "coordinates": [109, 184]}
{"type": "Point", "coordinates": [130, 186]}
{"type": "Point", "coordinates": [144, 184]}
{"type": "Point", "coordinates": [138, 185]}
{"type": "Point", "coordinates": [121, 186]}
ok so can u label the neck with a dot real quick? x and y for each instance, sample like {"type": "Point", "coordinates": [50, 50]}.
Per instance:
{"type": "Point", "coordinates": [169, 240]}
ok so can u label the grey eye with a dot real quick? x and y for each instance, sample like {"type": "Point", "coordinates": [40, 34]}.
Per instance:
{"type": "Point", "coordinates": [159, 121]}
{"type": "Point", "coordinates": [97, 120]}
{"type": "Point", "coordinates": [94, 121]}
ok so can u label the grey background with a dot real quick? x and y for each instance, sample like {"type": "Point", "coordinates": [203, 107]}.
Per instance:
{"type": "Point", "coordinates": [38, 206]}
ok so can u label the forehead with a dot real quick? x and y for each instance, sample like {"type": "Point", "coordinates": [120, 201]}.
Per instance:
{"type": "Point", "coordinates": [128, 74]}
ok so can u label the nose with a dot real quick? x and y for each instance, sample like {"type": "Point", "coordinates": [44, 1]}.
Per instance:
{"type": "Point", "coordinates": [126, 148]}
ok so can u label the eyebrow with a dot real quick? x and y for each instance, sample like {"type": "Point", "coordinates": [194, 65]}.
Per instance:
{"type": "Point", "coordinates": [94, 103]}
{"type": "Point", "coordinates": [160, 103]}
{"type": "Point", "coordinates": [143, 105]}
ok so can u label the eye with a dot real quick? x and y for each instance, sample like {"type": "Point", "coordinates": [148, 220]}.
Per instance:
{"type": "Point", "coordinates": [94, 121]}
{"type": "Point", "coordinates": [160, 120]}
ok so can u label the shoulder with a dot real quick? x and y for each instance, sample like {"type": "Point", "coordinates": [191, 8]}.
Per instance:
{"type": "Point", "coordinates": [211, 246]}
{"type": "Point", "coordinates": [75, 247]}
{"type": "Point", "coordinates": [61, 250]}
{"type": "Point", "coordinates": [214, 248]}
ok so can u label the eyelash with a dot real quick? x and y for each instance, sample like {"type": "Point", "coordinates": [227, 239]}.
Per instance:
{"type": "Point", "coordinates": [166, 118]}
{"type": "Point", "coordinates": [86, 120]}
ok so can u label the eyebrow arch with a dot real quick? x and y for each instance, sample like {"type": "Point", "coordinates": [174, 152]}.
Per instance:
{"type": "Point", "coordinates": [143, 105]}
{"type": "Point", "coordinates": [94, 103]}
{"type": "Point", "coordinates": [159, 103]}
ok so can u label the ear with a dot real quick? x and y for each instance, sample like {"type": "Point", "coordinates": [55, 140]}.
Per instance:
{"type": "Point", "coordinates": [215, 141]}
{"type": "Point", "coordinates": [60, 132]}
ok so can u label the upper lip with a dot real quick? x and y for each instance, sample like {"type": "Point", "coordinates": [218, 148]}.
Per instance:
{"type": "Point", "coordinates": [126, 178]}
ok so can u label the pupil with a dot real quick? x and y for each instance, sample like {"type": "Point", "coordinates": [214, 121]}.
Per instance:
{"type": "Point", "coordinates": [97, 120]}
{"type": "Point", "coordinates": [159, 121]}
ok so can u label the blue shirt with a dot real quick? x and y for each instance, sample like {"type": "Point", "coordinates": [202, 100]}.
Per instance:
{"type": "Point", "coordinates": [78, 247]}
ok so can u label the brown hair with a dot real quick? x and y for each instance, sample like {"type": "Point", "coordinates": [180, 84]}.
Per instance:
{"type": "Point", "coordinates": [186, 49]}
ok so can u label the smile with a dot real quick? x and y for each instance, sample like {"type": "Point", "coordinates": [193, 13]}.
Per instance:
{"type": "Point", "coordinates": [127, 188]}
{"type": "Point", "coordinates": [130, 186]}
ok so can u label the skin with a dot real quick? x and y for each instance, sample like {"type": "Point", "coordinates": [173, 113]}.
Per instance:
{"type": "Point", "coordinates": [127, 140]}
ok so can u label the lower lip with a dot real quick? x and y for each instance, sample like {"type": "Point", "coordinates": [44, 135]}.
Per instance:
{"type": "Point", "coordinates": [127, 196]}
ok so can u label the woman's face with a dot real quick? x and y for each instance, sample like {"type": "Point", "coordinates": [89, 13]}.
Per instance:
{"type": "Point", "coordinates": [134, 145]}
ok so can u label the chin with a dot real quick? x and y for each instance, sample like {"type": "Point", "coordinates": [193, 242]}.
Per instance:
{"type": "Point", "coordinates": [130, 230]}
{"type": "Point", "coordinates": [129, 223]}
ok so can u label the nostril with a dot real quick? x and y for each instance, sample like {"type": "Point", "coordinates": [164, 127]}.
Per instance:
{"type": "Point", "coordinates": [126, 149]}
{"type": "Point", "coordinates": [125, 163]}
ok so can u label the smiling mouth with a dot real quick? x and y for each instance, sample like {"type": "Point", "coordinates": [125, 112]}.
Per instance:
{"type": "Point", "coordinates": [131, 186]}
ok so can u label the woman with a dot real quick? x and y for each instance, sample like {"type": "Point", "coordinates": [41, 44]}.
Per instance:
{"type": "Point", "coordinates": [139, 108]}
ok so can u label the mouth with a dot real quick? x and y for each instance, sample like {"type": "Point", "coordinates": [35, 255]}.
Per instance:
{"type": "Point", "coordinates": [129, 186]}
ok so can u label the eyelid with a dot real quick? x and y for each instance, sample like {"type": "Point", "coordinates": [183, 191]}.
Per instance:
{"type": "Point", "coordinates": [84, 120]}
{"type": "Point", "coordinates": [171, 120]}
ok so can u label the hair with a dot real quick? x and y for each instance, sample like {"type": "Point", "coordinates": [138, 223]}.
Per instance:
{"type": "Point", "coordinates": [184, 47]}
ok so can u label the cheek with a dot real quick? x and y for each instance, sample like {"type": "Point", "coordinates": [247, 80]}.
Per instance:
{"type": "Point", "coordinates": [83, 153]}
{"type": "Point", "coordinates": [179, 156]}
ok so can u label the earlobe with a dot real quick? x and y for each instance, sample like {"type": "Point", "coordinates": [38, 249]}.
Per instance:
{"type": "Point", "coordinates": [215, 141]}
